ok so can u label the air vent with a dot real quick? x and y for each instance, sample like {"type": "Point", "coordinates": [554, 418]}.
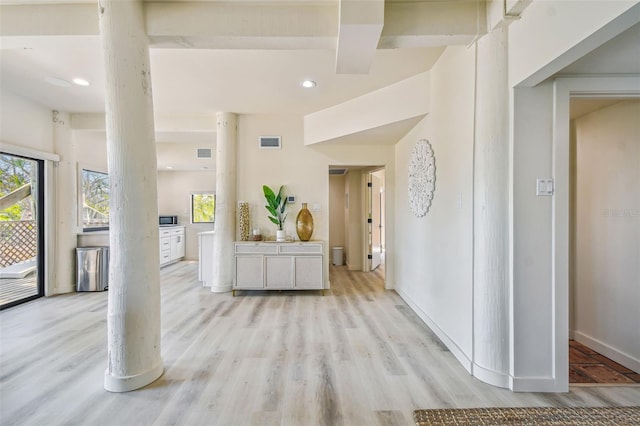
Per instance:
{"type": "Point", "coordinates": [203, 153]}
{"type": "Point", "coordinates": [337, 171]}
{"type": "Point", "coordinates": [270, 142]}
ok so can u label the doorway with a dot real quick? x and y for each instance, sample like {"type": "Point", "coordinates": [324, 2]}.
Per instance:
{"type": "Point", "coordinates": [603, 234]}
{"type": "Point", "coordinates": [21, 229]}
{"type": "Point", "coordinates": [357, 218]}
{"type": "Point", "coordinates": [375, 219]}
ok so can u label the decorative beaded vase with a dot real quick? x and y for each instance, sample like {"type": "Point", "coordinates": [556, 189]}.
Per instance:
{"type": "Point", "coordinates": [304, 223]}
{"type": "Point", "coordinates": [243, 212]}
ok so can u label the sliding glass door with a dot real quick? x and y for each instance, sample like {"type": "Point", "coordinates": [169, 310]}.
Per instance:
{"type": "Point", "coordinates": [21, 229]}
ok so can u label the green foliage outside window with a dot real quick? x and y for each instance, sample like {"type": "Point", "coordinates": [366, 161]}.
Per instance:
{"type": "Point", "coordinates": [15, 172]}
{"type": "Point", "coordinates": [203, 208]}
{"type": "Point", "coordinates": [95, 200]}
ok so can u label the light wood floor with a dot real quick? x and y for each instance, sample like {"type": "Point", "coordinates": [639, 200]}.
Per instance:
{"type": "Point", "coordinates": [357, 356]}
{"type": "Point", "coordinates": [13, 289]}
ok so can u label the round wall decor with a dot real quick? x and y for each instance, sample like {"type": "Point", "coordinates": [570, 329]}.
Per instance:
{"type": "Point", "coordinates": [422, 177]}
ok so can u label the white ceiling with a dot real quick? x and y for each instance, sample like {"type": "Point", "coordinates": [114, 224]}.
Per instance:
{"type": "Point", "coordinates": [620, 55]}
{"type": "Point", "coordinates": [200, 82]}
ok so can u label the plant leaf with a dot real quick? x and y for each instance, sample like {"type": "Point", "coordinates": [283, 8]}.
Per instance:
{"type": "Point", "coordinates": [274, 220]}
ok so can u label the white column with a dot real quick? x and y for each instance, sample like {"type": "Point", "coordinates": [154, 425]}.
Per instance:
{"type": "Point", "coordinates": [491, 212]}
{"type": "Point", "coordinates": [225, 220]}
{"type": "Point", "coordinates": [133, 322]}
{"type": "Point", "coordinates": [66, 208]}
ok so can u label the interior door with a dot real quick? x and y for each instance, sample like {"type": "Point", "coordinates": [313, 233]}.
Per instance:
{"type": "Point", "coordinates": [374, 220]}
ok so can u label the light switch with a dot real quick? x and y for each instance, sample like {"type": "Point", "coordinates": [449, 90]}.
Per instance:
{"type": "Point", "coordinates": [316, 207]}
{"type": "Point", "coordinates": [544, 186]}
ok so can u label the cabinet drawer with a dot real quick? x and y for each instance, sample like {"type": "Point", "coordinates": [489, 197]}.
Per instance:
{"type": "Point", "coordinates": [165, 243]}
{"type": "Point", "coordinates": [165, 233]}
{"type": "Point", "coordinates": [165, 256]}
{"type": "Point", "coordinates": [179, 231]}
{"type": "Point", "coordinates": [301, 248]}
{"type": "Point", "coordinates": [256, 248]}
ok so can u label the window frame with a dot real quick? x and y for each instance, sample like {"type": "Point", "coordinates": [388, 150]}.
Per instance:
{"type": "Point", "coordinates": [81, 225]}
{"type": "Point", "coordinates": [191, 207]}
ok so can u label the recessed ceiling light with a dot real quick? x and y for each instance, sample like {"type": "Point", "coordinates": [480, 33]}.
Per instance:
{"type": "Point", "coordinates": [308, 84]}
{"type": "Point", "coordinates": [55, 81]}
{"type": "Point", "coordinates": [80, 82]}
{"type": "Point", "coordinates": [169, 167]}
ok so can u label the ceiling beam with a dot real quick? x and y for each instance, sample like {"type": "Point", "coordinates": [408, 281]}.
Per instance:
{"type": "Point", "coordinates": [242, 26]}
{"type": "Point", "coordinates": [345, 26]}
{"type": "Point", "coordinates": [428, 24]}
{"type": "Point", "coordinates": [49, 20]}
{"type": "Point", "coordinates": [361, 23]}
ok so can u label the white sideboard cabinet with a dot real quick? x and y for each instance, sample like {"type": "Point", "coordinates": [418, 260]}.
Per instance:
{"type": "Point", "coordinates": [171, 244]}
{"type": "Point", "coordinates": [278, 266]}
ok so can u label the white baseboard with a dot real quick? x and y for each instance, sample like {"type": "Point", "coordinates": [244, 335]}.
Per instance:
{"type": "Point", "coordinates": [491, 377]}
{"type": "Point", "coordinates": [450, 344]}
{"type": "Point", "coordinates": [607, 350]}
{"type": "Point", "coordinates": [535, 384]}
{"type": "Point", "coordinates": [516, 384]}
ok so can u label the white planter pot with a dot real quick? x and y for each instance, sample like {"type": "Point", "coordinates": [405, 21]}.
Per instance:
{"type": "Point", "coordinates": [281, 235]}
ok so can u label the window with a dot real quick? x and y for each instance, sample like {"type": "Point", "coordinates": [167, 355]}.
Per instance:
{"type": "Point", "coordinates": [203, 207]}
{"type": "Point", "coordinates": [95, 200]}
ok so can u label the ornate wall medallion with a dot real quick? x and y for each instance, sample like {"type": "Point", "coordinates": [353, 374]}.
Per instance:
{"type": "Point", "coordinates": [422, 177]}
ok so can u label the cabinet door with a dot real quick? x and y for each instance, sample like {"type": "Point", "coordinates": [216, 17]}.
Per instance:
{"type": "Point", "coordinates": [308, 272]}
{"type": "Point", "coordinates": [278, 272]}
{"type": "Point", "coordinates": [177, 247]}
{"type": "Point", "coordinates": [249, 272]}
{"type": "Point", "coordinates": [181, 247]}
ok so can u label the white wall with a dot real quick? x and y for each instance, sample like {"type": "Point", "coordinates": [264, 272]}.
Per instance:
{"type": "Point", "coordinates": [552, 34]}
{"type": "Point", "coordinates": [532, 293]}
{"type": "Point", "coordinates": [182, 155]}
{"type": "Point", "coordinates": [25, 123]}
{"type": "Point", "coordinates": [174, 198]}
{"type": "Point", "coordinates": [336, 211]}
{"type": "Point", "coordinates": [91, 150]}
{"type": "Point", "coordinates": [294, 166]}
{"type": "Point", "coordinates": [434, 267]}
{"type": "Point", "coordinates": [607, 232]}
{"type": "Point", "coordinates": [403, 100]}
{"type": "Point", "coordinates": [28, 128]}
{"type": "Point", "coordinates": [174, 187]}
{"type": "Point", "coordinates": [304, 171]}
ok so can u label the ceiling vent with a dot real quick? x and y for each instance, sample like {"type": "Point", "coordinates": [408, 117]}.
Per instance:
{"type": "Point", "coordinates": [270, 142]}
{"type": "Point", "coordinates": [337, 171]}
{"type": "Point", "coordinates": [203, 153]}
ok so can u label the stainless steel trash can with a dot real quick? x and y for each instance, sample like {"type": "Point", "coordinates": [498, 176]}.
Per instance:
{"type": "Point", "coordinates": [338, 256]}
{"type": "Point", "coordinates": [92, 272]}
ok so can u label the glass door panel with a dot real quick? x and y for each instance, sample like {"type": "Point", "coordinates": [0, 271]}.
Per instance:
{"type": "Point", "coordinates": [21, 229]}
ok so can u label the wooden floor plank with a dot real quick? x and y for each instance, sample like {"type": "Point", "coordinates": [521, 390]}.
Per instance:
{"type": "Point", "coordinates": [357, 356]}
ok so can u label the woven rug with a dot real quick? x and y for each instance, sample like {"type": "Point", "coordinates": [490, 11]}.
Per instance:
{"type": "Point", "coordinates": [537, 416]}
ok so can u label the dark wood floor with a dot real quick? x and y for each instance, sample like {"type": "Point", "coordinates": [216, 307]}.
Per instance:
{"type": "Point", "coordinates": [588, 366]}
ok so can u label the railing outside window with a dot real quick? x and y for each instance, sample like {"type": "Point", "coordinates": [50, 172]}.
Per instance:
{"type": "Point", "coordinates": [18, 241]}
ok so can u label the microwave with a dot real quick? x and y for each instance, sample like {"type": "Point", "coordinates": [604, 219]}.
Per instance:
{"type": "Point", "coordinates": [168, 220]}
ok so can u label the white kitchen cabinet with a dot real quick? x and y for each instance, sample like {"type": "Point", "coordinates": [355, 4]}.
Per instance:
{"type": "Point", "coordinates": [171, 244]}
{"type": "Point", "coordinates": [278, 266]}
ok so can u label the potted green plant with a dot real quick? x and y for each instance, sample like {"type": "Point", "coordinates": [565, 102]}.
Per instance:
{"type": "Point", "coordinates": [276, 205]}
